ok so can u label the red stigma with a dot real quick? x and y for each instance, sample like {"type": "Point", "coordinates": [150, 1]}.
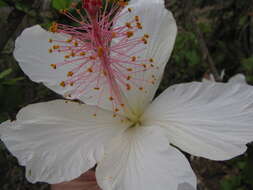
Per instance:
{"type": "Point", "coordinates": [92, 6]}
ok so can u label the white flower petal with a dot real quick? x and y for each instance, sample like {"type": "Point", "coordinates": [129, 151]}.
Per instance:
{"type": "Point", "coordinates": [161, 27]}
{"type": "Point", "coordinates": [239, 78]}
{"type": "Point", "coordinates": [59, 141]}
{"type": "Point", "coordinates": [212, 120]}
{"type": "Point", "coordinates": [31, 52]}
{"type": "Point", "coordinates": [141, 159]}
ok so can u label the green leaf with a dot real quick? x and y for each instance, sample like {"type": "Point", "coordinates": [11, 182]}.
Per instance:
{"type": "Point", "coordinates": [25, 8]}
{"type": "Point", "coordinates": [3, 4]}
{"type": "Point", "coordinates": [248, 60]}
{"type": "Point", "coordinates": [5, 73]}
{"type": "Point", "coordinates": [13, 81]}
{"type": "Point", "coordinates": [192, 57]}
{"type": "Point", "coordinates": [61, 4]}
{"type": "Point", "coordinates": [241, 164]}
{"type": "Point", "coordinates": [231, 183]}
{"type": "Point", "coordinates": [248, 64]}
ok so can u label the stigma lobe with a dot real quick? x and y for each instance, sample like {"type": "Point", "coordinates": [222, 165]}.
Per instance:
{"type": "Point", "coordinates": [92, 6]}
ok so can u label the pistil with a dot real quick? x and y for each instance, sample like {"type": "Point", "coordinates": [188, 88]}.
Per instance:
{"type": "Point", "coordinates": [101, 55]}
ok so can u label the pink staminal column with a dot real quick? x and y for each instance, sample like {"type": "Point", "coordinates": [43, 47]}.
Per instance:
{"type": "Point", "coordinates": [102, 56]}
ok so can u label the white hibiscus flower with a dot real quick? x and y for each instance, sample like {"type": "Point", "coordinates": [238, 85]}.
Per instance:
{"type": "Point", "coordinates": [58, 141]}
{"type": "Point", "coordinates": [101, 64]}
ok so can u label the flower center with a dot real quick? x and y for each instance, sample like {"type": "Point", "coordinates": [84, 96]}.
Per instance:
{"type": "Point", "coordinates": [135, 124]}
{"type": "Point", "coordinates": [100, 55]}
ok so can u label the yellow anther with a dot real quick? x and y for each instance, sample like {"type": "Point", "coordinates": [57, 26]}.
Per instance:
{"type": "Point", "coordinates": [104, 73]}
{"type": "Point", "coordinates": [75, 43]}
{"type": "Point", "coordinates": [128, 86]}
{"type": "Point", "coordinates": [66, 56]}
{"type": "Point", "coordinates": [122, 105]}
{"type": "Point", "coordinates": [130, 34]}
{"type": "Point", "coordinates": [133, 58]}
{"type": "Point", "coordinates": [63, 84]}
{"type": "Point", "coordinates": [141, 88]}
{"type": "Point", "coordinates": [144, 65]}
{"type": "Point", "coordinates": [90, 69]}
{"type": "Point", "coordinates": [82, 54]}
{"type": "Point", "coordinates": [63, 11]}
{"type": "Point", "coordinates": [100, 51]}
{"type": "Point", "coordinates": [72, 54]}
{"type": "Point", "coordinates": [73, 5]}
{"type": "Point", "coordinates": [145, 41]}
{"type": "Point", "coordinates": [92, 57]}
{"type": "Point", "coordinates": [78, 11]}
{"type": "Point", "coordinates": [56, 46]}
{"type": "Point", "coordinates": [114, 115]}
{"type": "Point", "coordinates": [53, 66]}
{"type": "Point", "coordinates": [50, 50]}
{"type": "Point", "coordinates": [128, 25]}
{"type": "Point", "coordinates": [146, 36]}
{"type": "Point", "coordinates": [50, 40]}
{"type": "Point", "coordinates": [122, 3]}
{"type": "Point", "coordinates": [129, 69]}
{"type": "Point", "coordinates": [70, 74]}
{"type": "Point", "coordinates": [139, 26]}
{"type": "Point", "coordinates": [54, 27]}
{"type": "Point", "coordinates": [72, 84]}
{"type": "Point", "coordinates": [114, 35]}
{"type": "Point", "coordinates": [69, 40]}
{"type": "Point", "coordinates": [151, 60]}
{"type": "Point", "coordinates": [96, 88]}
{"type": "Point", "coordinates": [94, 115]}
{"type": "Point", "coordinates": [130, 10]}
{"type": "Point", "coordinates": [129, 77]}
{"type": "Point", "coordinates": [137, 18]}
{"type": "Point", "coordinates": [116, 110]}
{"type": "Point", "coordinates": [111, 98]}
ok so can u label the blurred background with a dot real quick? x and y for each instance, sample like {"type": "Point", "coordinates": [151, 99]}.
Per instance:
{"type": "Point", "coordinates": [215, 36]}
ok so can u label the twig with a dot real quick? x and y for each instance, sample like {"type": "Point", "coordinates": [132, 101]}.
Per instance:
{"type": "Point", "coordinates": [202, 43]}
{"type": "Point", "coordinates": [205, 52]}
{"type": "Point", "coordinates": [8, 29]}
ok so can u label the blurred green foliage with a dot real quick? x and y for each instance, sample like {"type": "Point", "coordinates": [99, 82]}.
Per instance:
{"type": "Point", "coordinates": [228, 33]}
{"type": "Point", "coordinates": [2, 4]}
{"type": "Point", "coordinates": [242, 178]}
{"type": "Point", "coordinates": [247, 64]}
{"type": "Point", "coordinates": [61, 4]}
{"type": "Point", "coordinates": [8, 85]}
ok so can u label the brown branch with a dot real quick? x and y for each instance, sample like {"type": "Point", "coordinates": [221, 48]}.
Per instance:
{"type": "Point", "coordinates": [204, 49]}
{"type": "Point", "coordinates": [8, 29]}
{"type": "Point", "coordinates": [207, 58]}
{"type": "Point", "coordinates": [13, 21]}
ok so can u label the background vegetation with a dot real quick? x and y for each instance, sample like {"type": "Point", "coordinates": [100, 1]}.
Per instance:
{"type": "Point", "coordinates": [214, 35]}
